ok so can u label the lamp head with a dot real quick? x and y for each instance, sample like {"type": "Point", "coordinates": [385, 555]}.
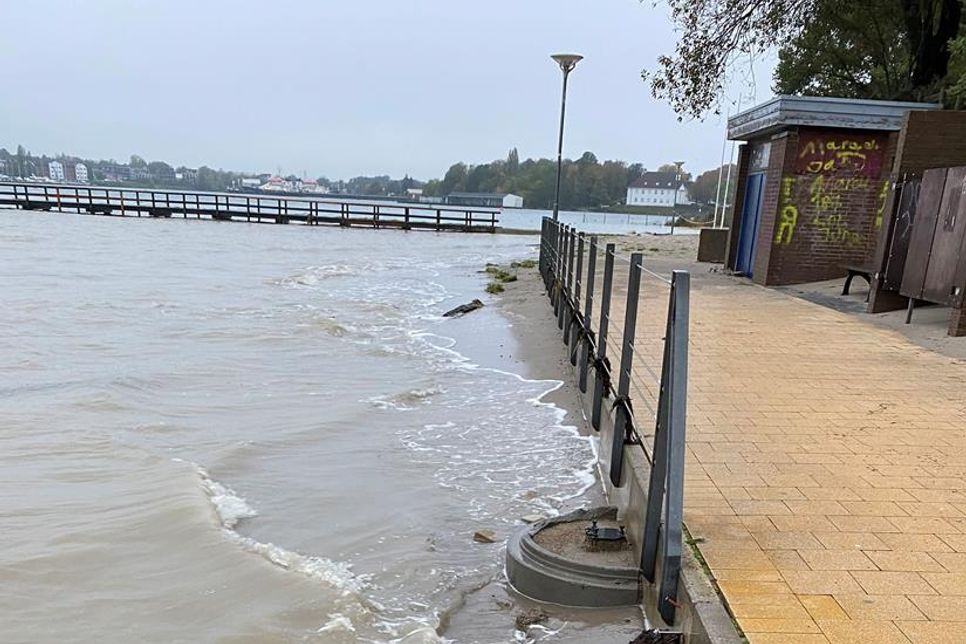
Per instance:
{"type": "Point", "coordinates": [567, 62]}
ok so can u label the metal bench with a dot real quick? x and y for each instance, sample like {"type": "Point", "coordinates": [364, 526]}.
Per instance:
{"type": "Point", "coordinates": [857, 271]}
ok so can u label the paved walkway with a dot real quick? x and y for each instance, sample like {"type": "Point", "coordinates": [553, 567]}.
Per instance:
{"type": "Point", "coordinates": [826, 480]}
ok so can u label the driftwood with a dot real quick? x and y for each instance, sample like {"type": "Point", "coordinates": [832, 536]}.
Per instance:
{"type": "Point", "coordinates": [463, 309]}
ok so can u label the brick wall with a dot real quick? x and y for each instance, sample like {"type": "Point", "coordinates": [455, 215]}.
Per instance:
{"type": "Point", "coordinates": [823, 203]}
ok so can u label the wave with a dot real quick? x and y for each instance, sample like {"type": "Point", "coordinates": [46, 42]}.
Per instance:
{"type": "Point", "coordinates": [407, 400]}
{"type": "Point", "coordinates": [232, 509]}
{"type": "Point", "coordinates": [311, 275]}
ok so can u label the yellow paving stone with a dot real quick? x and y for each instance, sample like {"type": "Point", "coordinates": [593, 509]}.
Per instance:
{"type": "Point", "coordinates": [785, 540]}
{"type": "Point", "coordinates": [955, 541]}
{"type": "Point", "coordinates": [735, 574]}
{"type": "Point", "coordinates": [945, 608]}
{"type": "Point", "coordinates": [846, 631]}
{"type": "Point", "coordinates": [864, 524]}
{"type": "Point", "coordinates": [780, 625]}
{"type": "Point", "coordinates": [730, 558]}
{"type": "Point", "coordinates": [940, 509]}
{"type": "Point", "coordinates": [822, 607]}
{"type": "Point", "coordinates": [804, 523]}
{"type": "Point", "coordinates": [850, 541]}
{"type": "Point", "coordinates": [914, 542]}
{"type": "Point", "coordinates": [934, 632]}
{"type": "Point", "coordinates": [878, 582]}
{"type": "Point", "coordinates": [761, 508]}
{"type": "Point", "coordinates": [874, 508]}
{"type": "Point", "coordinates": [819, 507]}
{"type": "Point", "coordinates": [947, 583]}
{"type": "Point", "coordinates": [905, 561]}
{"type": "Point", "coordinates": [768, 606]}
{"type": "Point", "coordinates": [773, 493]}
{"type": "Point", "coordinates": [836, 559]}
{"type": "Point", "coordinates": [758, 524]}
{"type": "Point", "coordinates": [820, 582]}
{"type": "Point", "coordinates": [860, 606]}
{"type": "Point", "coordinates": [786, 560]}
{"type": "Point", "coordinates": [951, 561]}
{"type": "Point", "coordinates": [745, 587]}
{"type": "Point", "coordinates": [786, 638]}
{"type": "Point", "coordinates": [886, 494]}
{"type": "Point", "coordinates": [922, 525]}
{"type": "Point", "coordinates": [832, 493]}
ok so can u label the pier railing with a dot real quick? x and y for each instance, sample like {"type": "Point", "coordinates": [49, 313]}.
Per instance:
{"type": "Point", "coordinates": [642, 385]}
{"type": "Point", "coordinates": [258, 208]}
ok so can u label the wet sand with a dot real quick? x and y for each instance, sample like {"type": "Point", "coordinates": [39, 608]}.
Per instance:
{"type": "Point", "coordinates": [539, 353]}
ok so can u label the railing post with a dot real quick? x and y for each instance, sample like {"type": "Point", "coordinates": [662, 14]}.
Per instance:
{"type": "Point", "coordinates": [566, 274]}
{"type": "Point", "coordinates": [575, 324]}
{"type": "Point", "coordinates": [623, 421]}
{"type": "Point", "coordinates": [666, 488]}
{"type": "Point", "coordinates": [602, 336]}
{"type": "Point", "coordinates": [588, 311]}
{"type": "Point", "coordinates": [558, 268]}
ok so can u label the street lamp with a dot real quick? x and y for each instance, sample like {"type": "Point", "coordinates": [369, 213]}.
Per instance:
{"type": "Point", "coordinates": [567, 63]}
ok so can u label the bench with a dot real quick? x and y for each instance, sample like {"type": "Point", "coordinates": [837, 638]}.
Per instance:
{"type": "Point", "coordinates": [857, 271]}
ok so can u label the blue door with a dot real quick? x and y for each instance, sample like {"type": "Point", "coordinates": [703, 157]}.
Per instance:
{"type": "Point", "coordinates": [750, 220]}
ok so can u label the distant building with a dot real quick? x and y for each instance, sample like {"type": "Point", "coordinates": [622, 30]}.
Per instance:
{"type": "Point", "coordinates": [661, 189]}
{"type": "Point", "coordinates": [80, 172]}
{"type": "Point", "coordinates": [111, 171]}
{"type": "Point", "coordinates": [250, 183]}
{"type": "Point", "coordinates": [312, 186]}
{"type": "Point", "coordinates": [55, 170]}
{"type": "Point", "coordinates": [484, 200]}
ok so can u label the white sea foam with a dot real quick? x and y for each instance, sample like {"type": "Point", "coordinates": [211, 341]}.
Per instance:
{"type": "Point", "coordinates": [407, 400]}
{"type": "Point", "coordinates": [232, 508]}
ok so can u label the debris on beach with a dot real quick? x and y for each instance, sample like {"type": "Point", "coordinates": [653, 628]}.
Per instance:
{"type": "Point", "coordinates": [484, 536]}
{"type": "Point", "coordinates": [529, 617]}
{"type": "Point", "coordinates": [463, 309]}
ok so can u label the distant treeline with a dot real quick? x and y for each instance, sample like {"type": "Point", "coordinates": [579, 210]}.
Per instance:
{"type": "Point", "coordinates": [585, 183]}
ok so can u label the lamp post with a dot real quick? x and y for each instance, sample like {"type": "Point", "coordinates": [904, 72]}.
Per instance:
{"type": "Point", "coordinates": [567, 63]}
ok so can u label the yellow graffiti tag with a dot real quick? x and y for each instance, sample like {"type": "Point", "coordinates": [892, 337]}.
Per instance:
{"type": "Point", "coordinates": [789, 213]}
{"type": "Point", "coordinates": [880, 210]}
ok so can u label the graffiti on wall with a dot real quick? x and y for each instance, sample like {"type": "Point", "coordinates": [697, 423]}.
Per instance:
{"type": "Point", "coordinates": [829, 192]}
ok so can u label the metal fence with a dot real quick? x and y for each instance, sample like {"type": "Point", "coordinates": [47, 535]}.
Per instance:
{"type": "Point", "coordinates": [652, 374]}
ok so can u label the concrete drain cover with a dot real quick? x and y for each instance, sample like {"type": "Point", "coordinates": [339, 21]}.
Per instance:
{"type": "Point", "coordinates": [555, 561]}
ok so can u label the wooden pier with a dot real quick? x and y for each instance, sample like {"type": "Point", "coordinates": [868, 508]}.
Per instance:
{"type": "Point", "coordinates": [223, 206]}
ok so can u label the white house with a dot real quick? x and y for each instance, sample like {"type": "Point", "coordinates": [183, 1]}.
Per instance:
{"type": "Point", "coordinates": [661, 189]}
{"type": "Point", "coordinates": [80, 172]}
{"type": "Point", "coordinates": [56, 170]}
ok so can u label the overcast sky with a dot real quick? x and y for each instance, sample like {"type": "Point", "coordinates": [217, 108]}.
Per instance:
{"type": "Point", "coordinates": [341, 88]}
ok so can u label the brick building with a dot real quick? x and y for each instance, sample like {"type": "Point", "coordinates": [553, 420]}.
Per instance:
{"type": "Point", "coordinates": [813, 181]}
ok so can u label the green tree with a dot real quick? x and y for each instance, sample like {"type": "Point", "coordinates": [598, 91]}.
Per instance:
{"type": "Point", "coordinates": [714, 32]}
{"type": "Point", "coordinates": [848, 49]}
{"type": "Point", "coordinates": [454, 180]}
{"type": "Point", "coordinates": [705, 189]}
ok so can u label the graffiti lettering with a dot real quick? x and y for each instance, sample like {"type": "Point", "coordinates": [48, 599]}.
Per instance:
{"type": "Point", "coordinates": [789, 213]}
{"type": "Point", "coordinates": [880, 209]}
{"type": "Point", "coordinates": [818, 155]}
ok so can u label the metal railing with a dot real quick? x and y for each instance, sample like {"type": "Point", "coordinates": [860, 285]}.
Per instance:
{"type": "Point", "coordinates": [96, 200]}
{"type": "Point", "coordinates": [568, 265]}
